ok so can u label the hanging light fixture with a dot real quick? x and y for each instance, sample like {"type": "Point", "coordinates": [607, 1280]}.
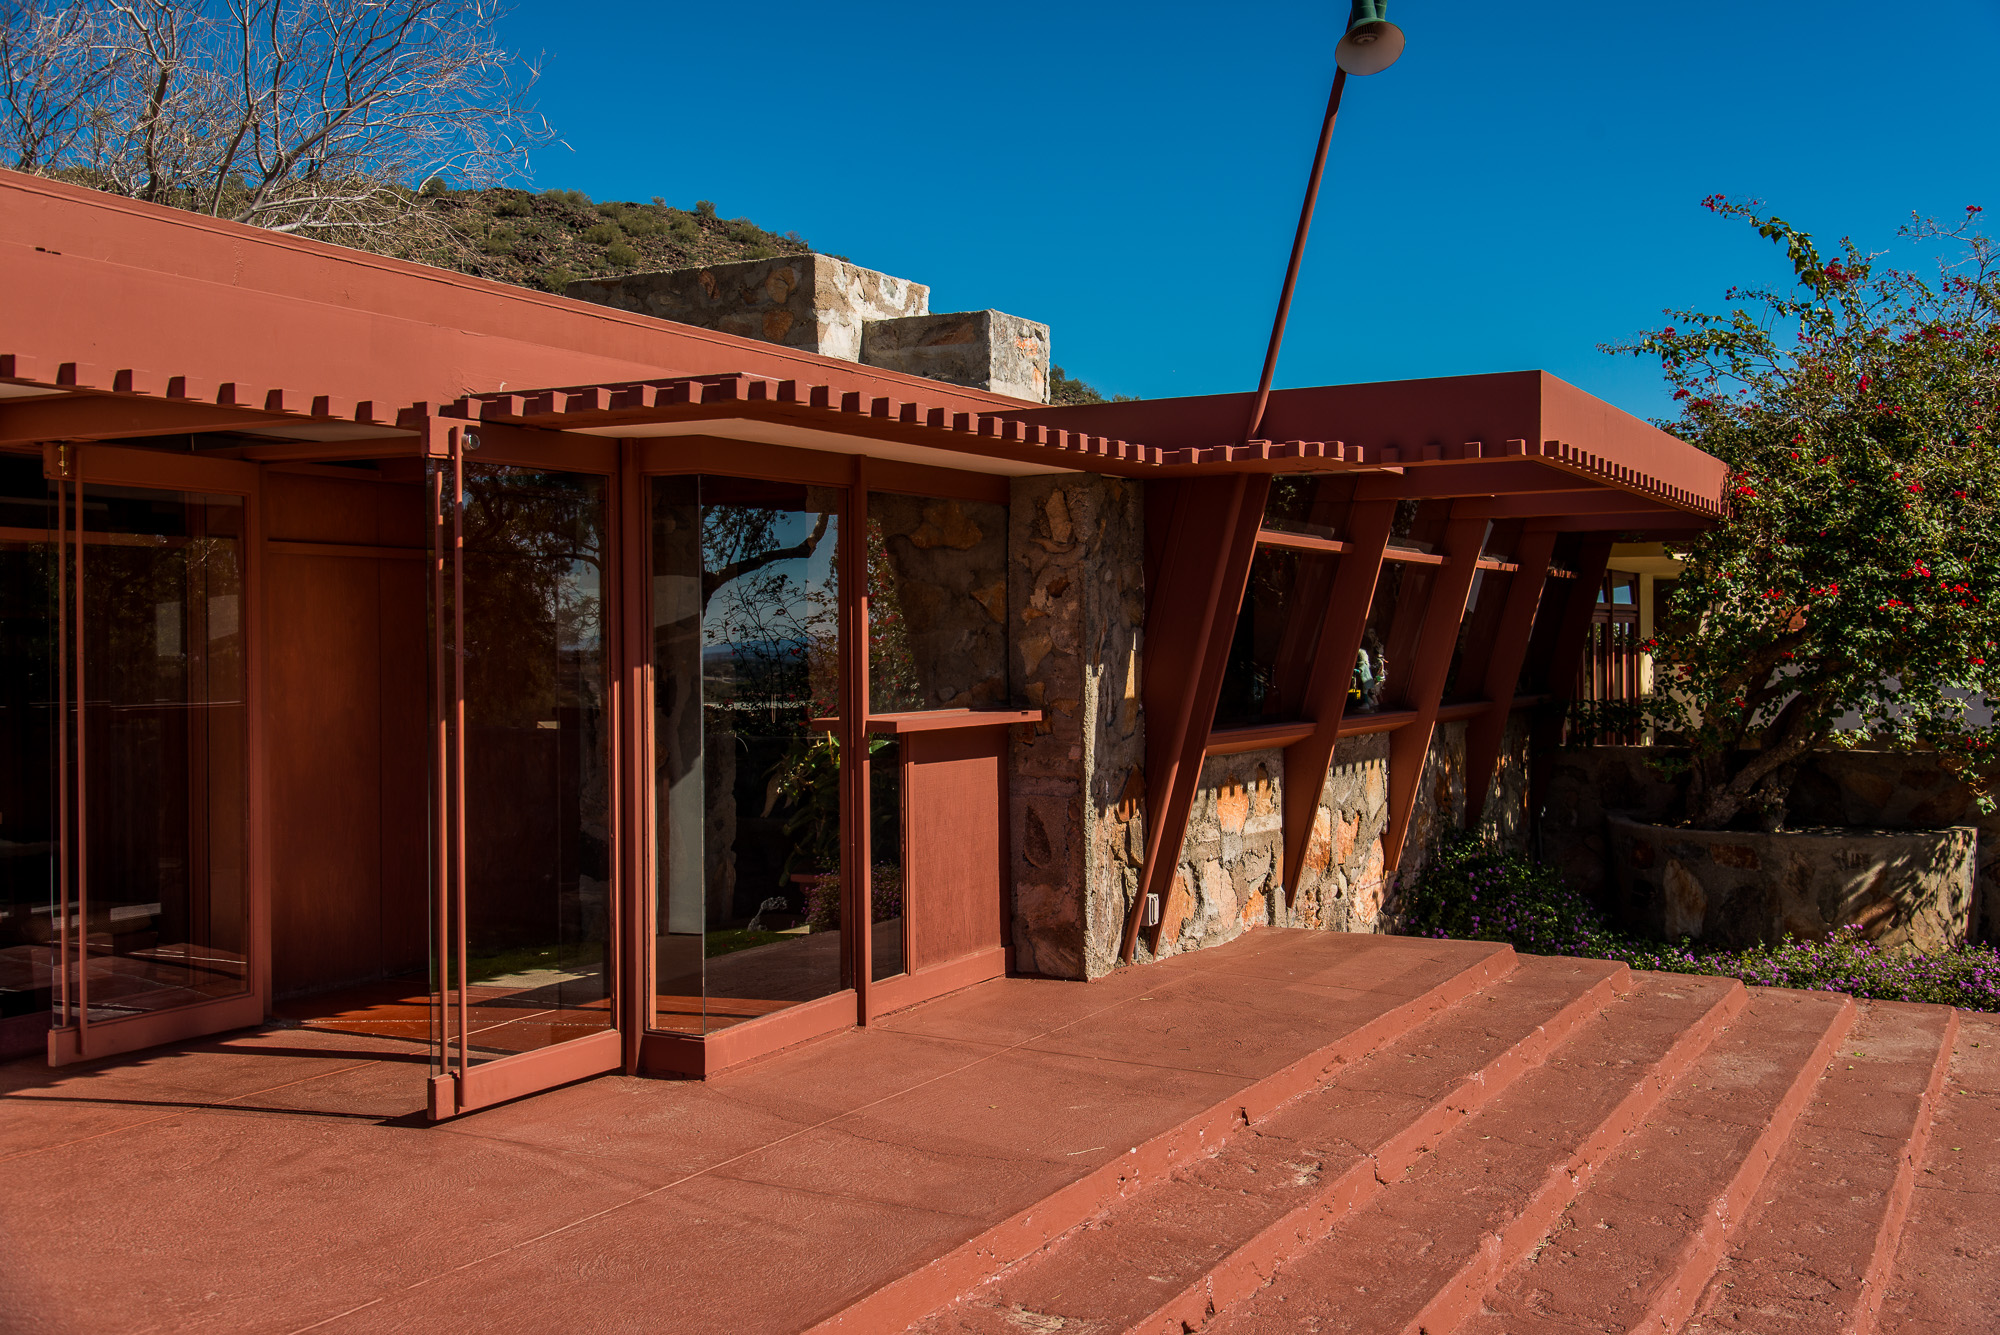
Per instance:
{"type": "Point", "coordinates": [1372, 43]}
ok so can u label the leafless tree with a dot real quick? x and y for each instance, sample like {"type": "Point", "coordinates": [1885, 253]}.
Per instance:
{"type": "Point", "coordinates": [320, 116]}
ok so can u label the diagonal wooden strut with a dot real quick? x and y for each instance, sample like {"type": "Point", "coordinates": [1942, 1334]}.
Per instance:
{"type": "Point", "coordinates": [1565, 653]}
{"type": "Point", "coordinates": [1410, 745]}
{"type": "Point", "coordinates": [1345, 620]}
{"type": "Point", "coordinates": [1483, 733]}
{"type": "Point", "coordinates": [1190, 622]}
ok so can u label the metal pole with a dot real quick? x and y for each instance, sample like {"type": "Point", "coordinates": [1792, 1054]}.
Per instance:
{"type": "Point", "coordinates": [1253, 429]}
{"type": "Point", "coordinates": [81, 858]}
{"type": "Point", "coordinates": [65, 841]}
{"type": "Point", "coordinates": [458, 744]}
{"type": "Point", "coordinates": [441, 800]}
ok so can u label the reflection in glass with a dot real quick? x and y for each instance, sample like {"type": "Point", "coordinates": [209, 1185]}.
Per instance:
{"type": "Point", "coordinates": [1277, 632]}
{"type": "Point", "coordinates": [164, 750]}
{"type": "Point", "coordinates": [937, 604]}
{"type": "Point", "coordinates": [1389, 639]}
{"type": "Point", "coordinates": [746, 683]}
{"type": "Point", "coordinates": [537, 760]}
{"type": "Point", "coordinates": [1477, 629]}
{"type": "Point", "coordinates": [885, 850]}
{"type": "Point", "coordinates": [1556, 589]}
{"type": "Point", "coordinates": [1419, 525]}
{"type": "Point", "coordinates": [27, 754]}
{"type": "Point", "coordinates": [1307, 503]}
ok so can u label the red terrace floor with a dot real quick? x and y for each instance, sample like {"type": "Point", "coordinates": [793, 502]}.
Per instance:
{"type": "Point", "coordinates": [1295, 1132]}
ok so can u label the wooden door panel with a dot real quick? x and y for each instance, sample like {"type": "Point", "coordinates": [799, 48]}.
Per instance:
{"type": "Point", "coordinates": [955, 789]}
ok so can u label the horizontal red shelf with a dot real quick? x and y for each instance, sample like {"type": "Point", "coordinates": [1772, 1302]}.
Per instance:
{"type": "Point", "coordinates": [937, 720]}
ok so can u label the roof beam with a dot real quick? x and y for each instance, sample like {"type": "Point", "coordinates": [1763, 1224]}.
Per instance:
{"type": "Point", "coordinates": [116, 416]}
{"type": "Point", "coordinates": [1531, 505]}
{"type": "Point", "coordinates": [1650, 521]}
{"type": "Point", "coordinates": [1496, 477]}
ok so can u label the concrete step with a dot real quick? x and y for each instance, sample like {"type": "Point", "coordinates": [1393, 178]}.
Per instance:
{"type": "Point", "coordinates": [1812, 1254]}
{"type": "Point", "coordinates": [1421, 1254]}
{"type": "Point", "coordinates": [1214, 1232]}
{"type": "Point", "coordinates": [1342, 1001]}
{"type": "Point", "coordinates": [1945, 1279]}
{"type": "Point", "coordinates": [1634, 1248]}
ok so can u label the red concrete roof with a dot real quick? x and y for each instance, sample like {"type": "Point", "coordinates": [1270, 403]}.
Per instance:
{"type": "Point", "coordinates": [98, 279]}
{"type": "Point", "coordinates": [125, 298]}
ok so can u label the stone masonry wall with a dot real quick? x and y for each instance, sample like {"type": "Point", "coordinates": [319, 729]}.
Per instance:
{"type": "Point", "coordinates": [814, 302]}
{"type": "Point", "coordinates": [984, 349]}
{"type": "Point", "coordinates": [1076, 605]}
{"type": "Point", "coordinates": [1229, 876]}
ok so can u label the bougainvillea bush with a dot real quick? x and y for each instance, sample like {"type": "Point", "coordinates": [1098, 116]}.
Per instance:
{"type": "Point", "coordinates": [1858, 572]}
{"type": "Point", "coordinates": [1472, 891]}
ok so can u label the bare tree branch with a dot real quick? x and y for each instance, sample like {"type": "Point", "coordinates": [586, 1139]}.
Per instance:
{"type": "Point", "coordinates": [319, 116]}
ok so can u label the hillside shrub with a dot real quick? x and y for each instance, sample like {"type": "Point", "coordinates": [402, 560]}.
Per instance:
{"type": "Point", "coordinates": [603, 234]}
{"type": "Point", "coordinates": [1473, 891]}
{"type": "Point", "coordinates": [620, 255]}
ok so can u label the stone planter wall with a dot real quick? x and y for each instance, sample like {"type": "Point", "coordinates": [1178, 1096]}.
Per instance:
{"type": "Point", "coordinates": [1870, 789]}
{"type": "Point", "coordinates": [1737, 889]}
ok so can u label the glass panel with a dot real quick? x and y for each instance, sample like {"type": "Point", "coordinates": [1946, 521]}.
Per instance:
{"type": "Point", "coordinates": [164, 725]}
{"type": "Point", "coordinates": [885, 850]}
{"type": "Point", "coordinates": [1302, 503]}
{"type": "Point", "coordinates": [27, 754]}
{"type": "Point", "coordinates": [537, 761]}
{"type": "Point", "coordinates": [746, 681]}
{"type": "Point", "coordinates": [1387, 643]}
{"type": "Point", "coordinates": [1419, 525]}
{"type": "Point", "coordinates": [1277, 632]}
{"type": "Point", "coordinates": [1556, 592]}
{"type": "Point", "coordinates": [937, 604]}
{"type": "Point", "coordinates": [1477, 630]}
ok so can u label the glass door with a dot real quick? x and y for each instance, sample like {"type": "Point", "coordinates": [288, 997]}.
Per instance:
{"type": "Point", "coordinates": [152, 882]}
{"type": "Point", "coordinates": [524, 907]}
{"type": "Point", "coordinates": [746, 650]}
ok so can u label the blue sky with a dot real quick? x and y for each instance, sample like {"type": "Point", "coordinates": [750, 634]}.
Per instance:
{"type": "Point", "coordinates": [1522, 187]}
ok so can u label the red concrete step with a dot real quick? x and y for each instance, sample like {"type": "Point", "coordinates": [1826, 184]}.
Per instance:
{"type": "Point", "coordinates": [1635, 1245]}
{"type": "Point", "coordinates": [1360, 996]}
{"type": "Point", "coordinates": [1163, 1257]}
{"type": "Point", "coordinates": [1945, 1279]}
{"type": "Point", "coordinates": [1812, 1255]}
{"type": "Point", "coordinates": [1419, 1256]}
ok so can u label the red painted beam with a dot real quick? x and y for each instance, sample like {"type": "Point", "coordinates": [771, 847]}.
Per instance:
{"type": "Point", "coordinates": [1557, 504]}
{"type": "Point", "coordinates": [1343, 621]}
{"type": "Point", "coordinates": [1483, 733]}
{"type": "Point", "coordinates": [1565, 653]}
{"type": "Point", "coordinates": [1190, 621]}
{"type": "Point", "coordinates": [1408, 747]}
{"type": "Point", "coordinates": [115, 416]}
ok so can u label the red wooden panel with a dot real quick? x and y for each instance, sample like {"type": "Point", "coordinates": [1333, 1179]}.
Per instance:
{"type": "Point", "coordinates": [955, 843]}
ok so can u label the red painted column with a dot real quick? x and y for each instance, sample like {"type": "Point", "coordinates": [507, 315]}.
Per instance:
{"type": "Point", "coordinates": [1190, 621]}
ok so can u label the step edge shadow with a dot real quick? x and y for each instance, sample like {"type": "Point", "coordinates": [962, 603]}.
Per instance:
{"type": "Point", "coordinates": [900, 1302]}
